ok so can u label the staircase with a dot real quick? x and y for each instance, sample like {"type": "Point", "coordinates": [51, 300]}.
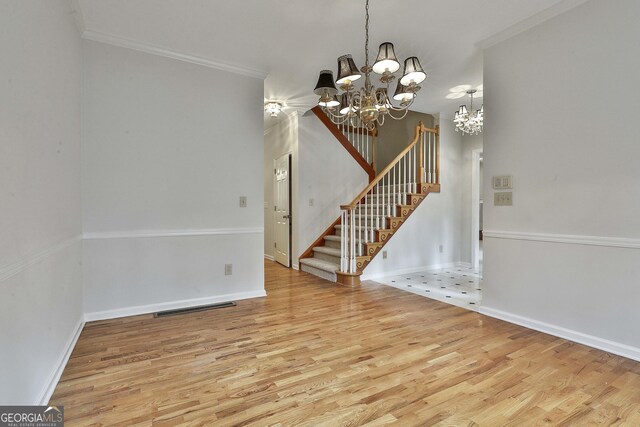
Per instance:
{"type": "Point", "coordinates": [366, 224]}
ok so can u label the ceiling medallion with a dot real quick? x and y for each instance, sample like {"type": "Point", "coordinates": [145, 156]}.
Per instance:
{"type": "Point", "coordinates": [368, 106]}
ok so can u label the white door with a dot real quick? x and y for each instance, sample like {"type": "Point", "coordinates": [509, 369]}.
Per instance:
{"type": "Point", "coordinates": [282, 213]}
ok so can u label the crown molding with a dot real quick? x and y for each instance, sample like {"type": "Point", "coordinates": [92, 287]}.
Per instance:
{"type": "Point", "coordinates": [532, 21]}
{"type": "Point", "coordinates": [114, 40]}
{"type": "Point", "coordinates": [78, 17]}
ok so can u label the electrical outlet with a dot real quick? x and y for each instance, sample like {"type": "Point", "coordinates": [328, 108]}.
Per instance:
{"type": "Point", "coordinates": [228, 269]}
{"type": "Point", "coordinates": [503, 198]}
{"type": "Point", "coordinates": [384, 254]}
{"type": "Point", "coordinates": [243, 201]}
{"type": "Point", "coordinates": [441, 249]}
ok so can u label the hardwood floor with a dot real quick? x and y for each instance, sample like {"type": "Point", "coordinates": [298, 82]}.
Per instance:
{"type": "Point", "coordinates": [313, 353]}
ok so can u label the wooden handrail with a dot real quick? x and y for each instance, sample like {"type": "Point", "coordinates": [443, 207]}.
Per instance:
{"type": "Point", "coordinates": [420, 129]}
{"type": "Point", "coordinates": [329, 230]}
{"type": "Point", "coordinates": [344, 141]}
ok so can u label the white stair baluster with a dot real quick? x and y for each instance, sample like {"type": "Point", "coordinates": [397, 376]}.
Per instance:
{"type": "Point", "coordinates": [394, 189]}
{"type": "Point", "coordinates": [384, 208]}
{"type": "Point", "coordinates": [377, 187]}
{"type": "Point", "coordinates": [424, 157]}
{"type": "Point", "coordinates": [372, 227]}
{"type": "Point", "coordinates": [365, 219]}
{"type": "Point", "coordinates": [366, 146]}
{"type": "Point", "coordinates": [405, 178]}
{"type": "Point", "coordinates": [412, 170]}
{"type": "Point", "coordinates": [353, 244]}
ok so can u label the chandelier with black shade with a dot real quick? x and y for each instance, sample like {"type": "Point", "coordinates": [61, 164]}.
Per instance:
{"type": "Point", "coordinates": [368, 105]}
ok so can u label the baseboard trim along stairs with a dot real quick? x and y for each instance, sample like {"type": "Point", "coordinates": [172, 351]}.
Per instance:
{"type": "Point", "coordinates": [343, 251]}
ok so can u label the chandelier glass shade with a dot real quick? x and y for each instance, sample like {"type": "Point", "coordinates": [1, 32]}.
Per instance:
{"type": "Point", "coordinates": [368, 105]}
{"type": "Point", "coordinates": [273, 108]}
{"type": "Point", "coordinates": [469, 121]}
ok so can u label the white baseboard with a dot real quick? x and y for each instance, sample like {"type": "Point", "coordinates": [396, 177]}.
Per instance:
{"type": "Point", "coordinates": [568, 334]}
{"type": "Point", "coordinates": [295, 266]}
{"type": "Point", "coordinates": [464, 264]}
{"type": "Point", "coordinates": [407, 271]}
{"type": "Point", "coordinates": [172, 305]}
{"type": "Point", "coordinates": [269, 257]}
{"type": "Point", "coordinates": [53, 379]}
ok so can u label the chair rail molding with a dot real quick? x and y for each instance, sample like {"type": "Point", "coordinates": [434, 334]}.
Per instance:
{"type": "Point", "coordinates": [138, 234]}
{"type": "Point", "coordinates": [572, 239]}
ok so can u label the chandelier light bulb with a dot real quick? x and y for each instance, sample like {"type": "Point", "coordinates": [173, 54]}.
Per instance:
{"type": "Point", "coordinates": [273, 108]}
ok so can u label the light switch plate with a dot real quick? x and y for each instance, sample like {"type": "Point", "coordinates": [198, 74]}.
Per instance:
{"type": "Point", "coordinates": [243, 201]}
{"type": "Point", "coordinates": [503, 182]}
{"type": "Point", "coordinates": [228, 269]}
{"type": "Point", "coordinates": [503, 198]}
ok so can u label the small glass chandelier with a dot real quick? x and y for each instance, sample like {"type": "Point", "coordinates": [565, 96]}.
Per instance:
{"type": "Point", "coordinates": [466, 122]}
{"type": "Point", "coordinates": [368, 106]}
{"type": "Point", "coordinates": [273, 108]}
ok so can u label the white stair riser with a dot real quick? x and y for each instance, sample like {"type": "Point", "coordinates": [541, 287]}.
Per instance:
{"type": "Point", "coordinates": [332, 244]}
{"type": "Point", "coordinates": [332, 277]}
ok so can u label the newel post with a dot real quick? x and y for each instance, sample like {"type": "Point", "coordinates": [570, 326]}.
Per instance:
{"type": "Point", "coordinates": [438, 154]}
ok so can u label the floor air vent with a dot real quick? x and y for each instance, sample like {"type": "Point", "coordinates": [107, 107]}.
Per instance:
{"type": "Point", "coordinates": [193, 309]}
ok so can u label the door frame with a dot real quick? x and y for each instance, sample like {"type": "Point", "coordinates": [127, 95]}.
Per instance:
{"type": "Point", "coordinates": [475, 207]}
{"type": "Point", "coordinates": [289, 155]}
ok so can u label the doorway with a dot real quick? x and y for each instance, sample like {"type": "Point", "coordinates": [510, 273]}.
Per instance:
{"type": "Point", "coordinates": [282, 208]}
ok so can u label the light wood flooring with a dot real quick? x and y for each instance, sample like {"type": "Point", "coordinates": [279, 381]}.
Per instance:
{"type": "Point", "coordinates": [316, 354]}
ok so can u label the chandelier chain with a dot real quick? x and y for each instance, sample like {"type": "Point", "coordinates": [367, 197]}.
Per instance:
{"type": "Point", "coordinates": [368, 105]}
{"type": "Point", "coordinates": [366, 36]}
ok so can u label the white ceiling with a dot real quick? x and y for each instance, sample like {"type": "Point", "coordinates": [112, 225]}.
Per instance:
{"type": "Point", "coordinates": [292, 40]}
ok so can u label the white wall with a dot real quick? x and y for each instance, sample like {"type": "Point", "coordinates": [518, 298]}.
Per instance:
{"type": "Point", "coordinates": [40, 277]}
{"type": "Point", "coordinates": [328, 175]}
{"type": "Point", "coordinates": [281, 138]}
{"type": "Point", "coordinates": [436, 222]}
{"type": "Point", "coordinates": [168, 149]}
{"type": "Point", "coordinates": [559, 99]}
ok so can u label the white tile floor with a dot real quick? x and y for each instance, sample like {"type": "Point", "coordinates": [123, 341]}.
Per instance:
{"type": "Point", "coordinates": [458, 286]}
